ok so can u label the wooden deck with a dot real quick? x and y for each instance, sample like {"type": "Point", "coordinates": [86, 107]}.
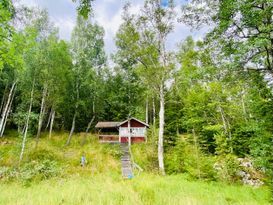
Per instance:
{"type": "Point", "coordinates": [109, 138]}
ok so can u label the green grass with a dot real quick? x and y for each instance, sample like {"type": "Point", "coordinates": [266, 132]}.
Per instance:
{"type": "Point", "coordinates": [144, 189]}
{"type": "Point", "coordinates": [100, 182]}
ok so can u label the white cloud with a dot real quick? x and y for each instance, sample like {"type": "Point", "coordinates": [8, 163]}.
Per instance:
{"type": "Point", "coordinates": [65, 27]}
{"type": "Point", "coordinates": [107, 13]}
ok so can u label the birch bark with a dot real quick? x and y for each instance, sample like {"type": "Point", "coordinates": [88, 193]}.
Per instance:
{"type": "Point", "coordinates": [6, 117]}
{"type": "Point", "coordinates": [27, 122]}
{"type": "Point", "coordinates": [41, 115]}
{"type": "Point", "coordinates": [6, 108]}
{"type": "Point", "coordinates": [51, 123]}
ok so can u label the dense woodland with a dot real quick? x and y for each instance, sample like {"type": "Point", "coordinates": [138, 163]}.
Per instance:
{"type": "Point", "coordinates": [208, 103]}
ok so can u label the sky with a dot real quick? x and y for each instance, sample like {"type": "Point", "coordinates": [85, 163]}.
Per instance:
{"type": "Point", "coordinates": [107, 13]}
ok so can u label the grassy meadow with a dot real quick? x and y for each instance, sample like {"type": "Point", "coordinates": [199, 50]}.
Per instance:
{"type": "Point", "coordinates": [100, 182]}
{"type": "Point", "coordinates": [144, 189]}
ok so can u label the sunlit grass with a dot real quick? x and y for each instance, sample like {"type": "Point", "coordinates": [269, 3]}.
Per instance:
{"type": "Point", "coordinates": [100, 182]}
{"type": "Point", "coordinates": [144, 189]}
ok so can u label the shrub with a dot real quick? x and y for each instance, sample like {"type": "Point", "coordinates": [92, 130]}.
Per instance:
{"type": "Point", "coordinates": [227, 168]}
{"type": "Point", "coordinates": [42, 155]}
{"type": "Point", "coordinates": [31, 171]}
{"type": "Point", "coordinates": [187, 158]}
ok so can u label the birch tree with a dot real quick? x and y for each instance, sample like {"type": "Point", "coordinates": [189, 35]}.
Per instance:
{"type": "Point", "coordinates": [144, 38]}
{"type": "Point", "coordinates": [88, 59]}
{"type": "Point", "coordinates": [242, 28]}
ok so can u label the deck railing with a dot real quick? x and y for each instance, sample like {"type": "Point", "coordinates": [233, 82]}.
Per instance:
{"type": "Point", "coordinates": [108, 138]}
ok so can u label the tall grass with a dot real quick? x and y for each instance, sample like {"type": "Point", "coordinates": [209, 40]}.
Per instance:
{"type": "Point", "coordinates": [100, 181]}
{"type": "Point", "coordinates": [100, 157]}
{"type": "Point", "coordinates": [144, 189]}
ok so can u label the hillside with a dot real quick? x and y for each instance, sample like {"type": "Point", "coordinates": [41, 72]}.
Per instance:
{"type": "Point", "coordinates": [63, 181]}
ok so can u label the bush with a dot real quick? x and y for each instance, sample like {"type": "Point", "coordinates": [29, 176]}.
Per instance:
{"type": "Point", "coordinates": [43, 155]}
{"type": "Point", "coordinates": [187, 158]}
{"type": "Point", "coordinates": [39, 170]}
{"type": "Point", "coordinates": [227, 168]}
{"type": "Point", "coordinates": [31, 171]}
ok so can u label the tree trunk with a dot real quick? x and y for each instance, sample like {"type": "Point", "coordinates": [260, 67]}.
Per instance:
{"type": "Point", "coordinates": [3, 98]}
{"type": "Point", "coordinates": [49, 119]}
{"type": "Point", "coordinates": [72, 129]}
{"type": "Point", "coordinates": [161, 131]}
{"type": "Point", "coordinates": [27, 122]}
{"type": "Point", "coordinates": [226, 127]}
{"type": "Point", "coordinates": [147, 111]}
{"type": "Point", "coordinates": [243, 104]}
{"type": "Point", "coordinates": [6, 108]}
{"type": "Point", "coordinates": [89, 124]}
{"type": "Point", "coordinates": [154, 118]}
{"type": "Point", "coordinates": [87, 130]}
{"type": "Point", "coordinates": [197, 154]}
{"type": "Point", "coordinates": [51, 122]}
{"type": "Point", "coordinates": [75, 114]}
{"type": "Point", "coordinates": [41, 115]}
{"type": "Point", "coordinates": [6, 117]}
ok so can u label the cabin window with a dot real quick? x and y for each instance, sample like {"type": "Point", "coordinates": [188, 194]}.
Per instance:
{"type": "Point", "coordinates": [135, 131]}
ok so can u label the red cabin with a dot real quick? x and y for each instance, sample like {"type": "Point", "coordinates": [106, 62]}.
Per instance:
{"type": "Point", "coordinates": [122, 132]}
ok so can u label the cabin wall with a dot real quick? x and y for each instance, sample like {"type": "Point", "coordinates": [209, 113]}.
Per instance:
{"type": "Point", "coordinates": [133, 139]}
{"type": "Point", "coordinates": [133, 123]}
{"type": "Point", "coordinates": [137, 136]}
{"type": "Point", "coordinates": [121, 134]}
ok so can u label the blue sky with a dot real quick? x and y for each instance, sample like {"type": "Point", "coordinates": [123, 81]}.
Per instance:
{"type": "Point", "coordinates": [107, 13]}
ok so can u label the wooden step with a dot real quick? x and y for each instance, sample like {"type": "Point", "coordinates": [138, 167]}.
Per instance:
{"type": "Point", "coordinates": [126, 165]}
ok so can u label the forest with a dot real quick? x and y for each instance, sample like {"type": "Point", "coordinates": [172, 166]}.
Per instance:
{"type": "Point", "coordinates": [208, 102]}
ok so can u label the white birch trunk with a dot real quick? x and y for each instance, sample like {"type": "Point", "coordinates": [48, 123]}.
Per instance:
{"type": "Point", "coordinates": [75, 114]}
{"type": "Point", "coordinates": [41, 115]}
{"type": "Point", "coordinates": [49, 118]}
{"type": "Point", "coordinates": [51, 123]}
{"type": "Point", "coordinates": [3, 98]}
{"type": "Point", "coordinates": [161, 131]}
{"type": "Point", "coordinates": [226, 127]}
{"type": "Point", "coordinates": [6, 117]}
{"type": "Point", "coordinates": [154, 118]}
{"type": "Point", "coordinates": [243, 104]}
{"type": "Point", "coordinates": [5, 111]}
{"type": "Point", "coordinates": [89, 124]}
{"type": "Point", "coordinates": [72, 129]}
{"type": "Point", "coordinates": [26, 126]}
{"type": "Point", "coordinates": [147, 111]}
{"type": "Point", "coordinates": [87, 130]}
{"type": "Point", "coordinates": [162, 60]}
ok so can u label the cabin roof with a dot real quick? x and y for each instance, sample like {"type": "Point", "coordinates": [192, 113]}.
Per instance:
{"type": "Point", "coordinates": [117, 124]}
{"type": "Point", "coordinates": [107, 124]}
{"type": "Point", "coordinates": [132, 118]}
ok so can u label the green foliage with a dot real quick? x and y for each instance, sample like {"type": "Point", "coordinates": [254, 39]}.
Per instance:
{"type": "Point", "coordinates": [31, 171]}
{"type": "Point", "coordinates": [215, 111]}
{"type": "Point", "coordinates": [84, 8]}
{"type": "Point", "coordinates": [187, 158]}
{"type": "Point", "coordinates": [227, 168]}
{"type": "Point", "coordinates": [145, 155]}
{"type": "Point", "coordinates": [39, 170]}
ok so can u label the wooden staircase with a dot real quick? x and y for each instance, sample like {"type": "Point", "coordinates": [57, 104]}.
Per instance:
{"type": "Point", "coordinates": [126, 164]}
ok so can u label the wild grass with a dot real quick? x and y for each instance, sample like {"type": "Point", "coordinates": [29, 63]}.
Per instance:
{"type": "Point", "coordinates": [100, 181]}
{"type": "Point", "coordinates": [144, 189]}
{"type": "Point", "coordinates": [100, 157]}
